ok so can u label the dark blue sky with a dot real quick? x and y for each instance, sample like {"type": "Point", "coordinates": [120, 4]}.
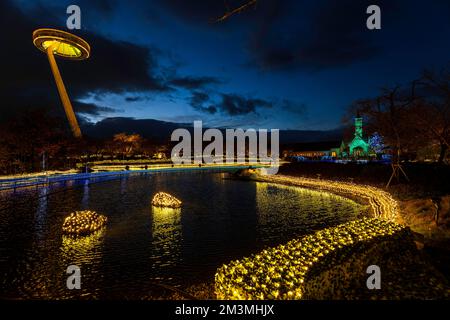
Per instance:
{"type": "Point", "coordinates": [281, 64]}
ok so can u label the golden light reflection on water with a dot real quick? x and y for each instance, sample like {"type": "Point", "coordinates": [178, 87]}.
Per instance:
{"type": "Point", "coordinates": [157, 244]}
{"type": "Point", "coordinates": [166, 236]}
{"type": "Point", "coordinates": [263, 193]}
{"type": "Point", "coordinates": [163, 213]}
{"type": "Point", "coordinates": [303, 209]}
{"type": "Point", "coordinates": [85, 249]}
{"type": "Point", "coordinates": [46, 278]}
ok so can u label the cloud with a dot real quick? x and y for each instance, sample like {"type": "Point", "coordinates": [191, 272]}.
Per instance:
{"type": "Point", "coordinates": [190, 82]}
{"type": "Point", "coordinates": [92, 109]}
{"type": "Point", "coordinates": [290, 34]}
{"type": "Point", "coordinates": [294, 107]}
{"type": "Point", "coordinates": [226, 103]}
{"type": "Point", "coordinates": [231, 109]}
{"type": "Point", "coordinates": [101, 6]}
{"type": "Point", "coordinates": [315, 36]}
{"type": "Point", "coordinates": [134, 98]}
{"type": "Point", "coordinates": [201, 102]}
{"type": "Point", "coordinates": [333, 34]}
{"type": "Point", "coordinates": [234, 104]}
{"type": "Point", "coordinates": [199, 11]}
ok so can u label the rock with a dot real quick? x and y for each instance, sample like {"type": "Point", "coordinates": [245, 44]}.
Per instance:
{"type": "Point", "coordinates": [444, 211]}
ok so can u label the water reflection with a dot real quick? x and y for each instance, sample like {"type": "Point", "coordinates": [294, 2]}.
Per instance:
{"type": "Point", "coordinates": [82, 249]}
{"type": "Point", "coordinates": [293, 210]}
{"type": "Point", "coordinates": [41, 212]}
{"type": "Point", "coordinates": [87, 253]}
{"type": "Point", "coordinates": [85, 199]}
{"type": "Point", "coordinates": [123, 185]}
{"type": "Point", "coordinates": [166, 236]}
{"type": "Point", "coordinates": [221, 220]}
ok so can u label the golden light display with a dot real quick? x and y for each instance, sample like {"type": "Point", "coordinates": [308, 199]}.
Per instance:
{"type": "Point", "coordinates": [82, 223]}
{"type": "Point", "coordinates": [163, 199]}
{"type": "Point", "coordinates": [281, 272]}
{"type": "Point", "coordinates": [381, 203]}
{"type": "Point", "coordinates": [63, 44]}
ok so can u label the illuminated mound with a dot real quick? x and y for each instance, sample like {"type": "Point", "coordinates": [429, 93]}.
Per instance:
{"type": "Point", "coordinates": [283, 272]}
{"type": "Point", "coordinates": [165, 200]}
{"type": "Point", "coordinates": [82, 223]}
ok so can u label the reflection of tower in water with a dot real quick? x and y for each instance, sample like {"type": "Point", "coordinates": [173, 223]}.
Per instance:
{"type": "Point", "coordinates": [123, 184]}
{"type": "Point", "coordinates": [41, 211]}
{"type": "Point", "coordinates": [85, 199]}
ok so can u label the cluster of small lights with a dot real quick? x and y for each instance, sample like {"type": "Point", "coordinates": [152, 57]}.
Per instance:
{"type": "Point", "coordinates": [82, 223]}
{"type": "Point", "coordinates": [163, 199]}
{"type": "Point", "coordinates": [280, 272]}
{"type": "Point", "coordinates": [381, 202]}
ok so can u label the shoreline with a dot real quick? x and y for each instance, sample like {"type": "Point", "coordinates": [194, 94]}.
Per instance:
{"type": "Point", "coordinates": [383, 207]}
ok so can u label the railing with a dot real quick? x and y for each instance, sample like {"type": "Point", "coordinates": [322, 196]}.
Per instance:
{"type": "Point", "coordinates": [48, 180]}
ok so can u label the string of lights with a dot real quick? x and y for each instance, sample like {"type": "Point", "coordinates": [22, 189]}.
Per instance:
{"type": "Point", "coordinates": [381, 203]}
{"type": "Point", "coordinates": [163, 199]}
{"type": "Point", "coordinates": [80, 223]}
{"type": "Point", "coordinates": [281, 272]}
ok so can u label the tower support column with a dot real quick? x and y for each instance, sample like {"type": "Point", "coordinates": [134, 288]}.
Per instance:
{"type": "Point", "coordinates": [63, 94]}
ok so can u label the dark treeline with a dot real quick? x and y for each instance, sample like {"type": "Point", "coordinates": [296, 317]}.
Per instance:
{"type": "Point", "coordinates": [34, 141]}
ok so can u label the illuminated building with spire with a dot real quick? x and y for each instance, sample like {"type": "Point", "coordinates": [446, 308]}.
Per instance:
{"type": "Point", "coordinates": [358, 148]}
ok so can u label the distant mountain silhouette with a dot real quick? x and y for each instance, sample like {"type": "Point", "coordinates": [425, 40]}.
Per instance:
{"type": "Point", "coordinates": [302, 136]}
{"type": "Point", "coordinates": [160, 131]}
{"type": "Point", "coordinates": [156, 130]}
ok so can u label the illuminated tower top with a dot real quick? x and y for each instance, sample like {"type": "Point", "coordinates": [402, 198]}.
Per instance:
{"type": "Point", "coordinates": [358, 146]}
{"type": "Point", "coordinates": [358, 127]}
{"type": "Point", "coordinates": [62, 44]}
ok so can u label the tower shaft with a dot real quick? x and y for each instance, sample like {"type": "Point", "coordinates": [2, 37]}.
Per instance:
{"type": "Point", "coordinates": [358, 127]}
{"type": "Point", "coordinates": [63, 94]}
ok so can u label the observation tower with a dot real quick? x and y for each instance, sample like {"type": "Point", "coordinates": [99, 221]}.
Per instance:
{"type": "Point", "coordinates": [66, 45]}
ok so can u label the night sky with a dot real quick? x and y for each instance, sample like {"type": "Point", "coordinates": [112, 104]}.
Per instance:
{"type": "Point", "coordinates": [281, 64]}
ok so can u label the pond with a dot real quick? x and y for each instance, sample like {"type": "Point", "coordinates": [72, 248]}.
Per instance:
{"type": "Point", "coordinates": [143, 247]}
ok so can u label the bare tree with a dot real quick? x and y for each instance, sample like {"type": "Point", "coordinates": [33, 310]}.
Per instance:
{"type": "Point", "coordinates": [127, 144]}
{"type": "Point", "coordinates": [432, 111]}
{"type": "Point", "coordinates": [389, 114]}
